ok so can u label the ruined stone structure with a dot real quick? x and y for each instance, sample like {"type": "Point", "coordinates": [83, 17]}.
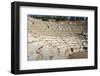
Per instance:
{"type": "Point", "coordinates": [51, 39]}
